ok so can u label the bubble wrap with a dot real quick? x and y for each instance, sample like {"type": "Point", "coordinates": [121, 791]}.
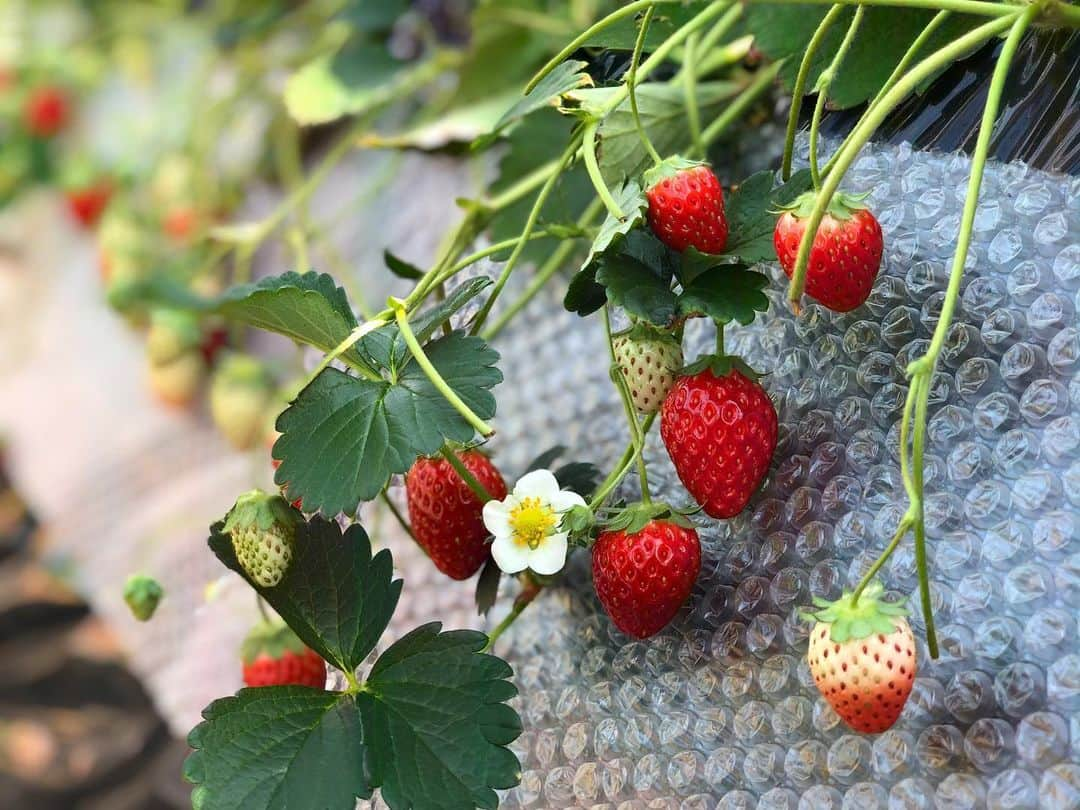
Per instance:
{"type": "Point", "coordinates": [719, 710]}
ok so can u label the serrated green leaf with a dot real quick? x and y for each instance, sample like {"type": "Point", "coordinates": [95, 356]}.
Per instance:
{"type": "Point", "coordinates": [335, 596]}
{"type": "Point", "coordinates": [637, 288]}
{"type": "Point", "coordinates": [437, 706]}
{"type": "Point", "coordinates": [662, 109]}
{"type": "Point", "coordinates": [751, 215]}
{"type": "Point", "coordinates": [585, 295]}
{"type": "Point", "coordinates": [567, 76]}
{"type": "Point", "coordinates": [633, 204]}
{"type": "Point", "coordinates": [400, 267]}
{"type": "Point", "coordinates": [277, 748]}
{"type": "Point", "coordinates": [726, 293]}
{"type": "Point", "coordinates": [343, 437]}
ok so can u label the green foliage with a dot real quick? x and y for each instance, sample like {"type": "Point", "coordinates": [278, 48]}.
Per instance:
{"type": "Point", "coordinates": [725, 293]}
{"type": "Point", "coordinates": [401, 268]}
{"type": "Point", "coordinates": [565, 77]}
{"type": "Point", "coordinates": [638, 288]}
{"type": "Point", "coordinates": [345, 436]}
{"type": "Point", "coordinates": [666, 21]}
{"type": "Point", "coordinates": [751, 212]}
{"type": "Point", "coordinates": [633, 204]}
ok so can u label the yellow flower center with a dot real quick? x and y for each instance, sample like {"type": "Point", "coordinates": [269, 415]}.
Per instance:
{"type": "Point", "coordinates": [531, 521]}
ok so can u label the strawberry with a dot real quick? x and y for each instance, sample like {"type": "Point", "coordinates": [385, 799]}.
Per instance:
{"type": "Point", "coordinates": [446, 515]}
{"type": "Point", "coordinates": [719, 428]}
{"type": "Point", "coordinates": [142, 594]}
{"type": "Point", "coordinates": [239, 394]}
{"type": "Point", "coordinates": [180, 223]}
{"type": "Point", "coordinates": [263, 530]}
{"type": "Point", "coordinates": [46, 111]}
{"type": "Point", "coordinates": [686, 206]}
{"type": "Point", "coordinates": [86, 203]}
{"type": "Point", "coordinates": [172, 332]}
{"type": "Point", "coordinates": [274, 656]}
{"type": "Point", "coordinates": [862, 658]}
{"type": "Point", "coordinates": [643, 572]}
{"type": "Point", "coordinates": [846, 253]}
{"type": "Point", "coordinates": [176, 382]}
{"type": "Point", "coordinates": [648, 360]}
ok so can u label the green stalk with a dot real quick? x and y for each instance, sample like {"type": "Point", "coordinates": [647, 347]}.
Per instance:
{"type": "Point", "coordinates": [620, 470]}
{"type": "Point", "coordinates": [898, 71]}
{"type": "Point", "coordinates": [823, 83]}
{"type": "Point", "coordinates": [631, 87]}
{"type": "Point", "coordinates": [800, 86]}
{"type": "Point", "coordinates": [978, 7]}
{"type": "Point", "coordinates": [709, 41]}
{"type": "Point", "coordinates": [398, 516]}
{"type": "Point", "coordinates": [529, 591]}
{"type": "Point", "coordinates": [636, 435]}
{"type": "Point", "coordinates": [355, 335]}
{"type": "Point", "coordinates": [693, 115]}
{"type": "Point", "coordinates": [901, 530]}
{"type": "Point", "coordinates": [478, 489]}
{"type": "Point", "coordinates": [593, 170]}
{"type": "Point", "coordinates": [871, 120]}
{"type": "Point", "coordinates": [763, 79]}
{"type": "Point", "coordinates": [417, 351]}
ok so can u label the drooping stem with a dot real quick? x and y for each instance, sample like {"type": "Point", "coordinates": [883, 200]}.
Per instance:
{"type": "Point", "coordinates": [432, 373]}
{"type": "Point", "coordinates": [693, 115]}
{"type": "Point", "coordinates": [901, 530]}
{"type": "Point", "coordinates": [719, 339]}
{"type": "Point", "coordinates": [708, 42]}
{"type": "Point", "coordinates": [478, 489]}
{"type": "Point", "coordinates": [529, 591]}
{"type": "Point", "coordinates": [353, 337]}
{"type": "Point", "coordinates": [397, 514]}
{"type": "Point", "coordinates": [631, 86]}
{"type": "Point", "coordinates": [637, 438]}
{"type": "Point", "coordinates": [800, 86]}
{"type": "Point", "coordinates": [592, 167]}
{"type": "Point", "coordinates": [823, 83]}
{"type": "Point", "coordinates": [869, 123]}
{"type": "Point", "coordinates": [261, 605]}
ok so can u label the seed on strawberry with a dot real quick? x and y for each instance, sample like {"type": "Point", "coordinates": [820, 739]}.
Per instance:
{"type": "Point", "coordinates": [273, 656]}
{"type": "Point", "coordinates": [648, 361]}
{"type": "Point", "coordinates": [263, 531]}
{"type": "Point", "coordinates": [862, 658]}
{"type": "Point", "coordinates": [644, 574]}
{"type": "Point", "coordinates": [845, 255]}
{"type": "Point", "coordinates": [719, 427]}
{"type": "Point", "coordinates": [447, 516]}
{"type": "Point", "coordinates": [686, 206]}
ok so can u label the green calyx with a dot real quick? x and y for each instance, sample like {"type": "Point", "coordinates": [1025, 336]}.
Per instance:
{"type": "Point", "coordinates": [668, 168]}
{"type": "Point", "coordinates": [270, 638]}
{"type": "Point", "coordinates": [635, 517]}
{"type": "Point", "coordinates": [720, 365]}
{"type": "Point", "coordinates": [642, 332]}
{"type": "Point", "coordinates": [842, 206]}
{"type": "Point", "coordinates": [851, 620]}
{"type": "Point", "coordinates": [262, 511]}
{"type": "Point", "coordinates": [143, 594]}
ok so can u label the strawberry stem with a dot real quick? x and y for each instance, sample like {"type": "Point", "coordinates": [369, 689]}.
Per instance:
{"type": "Point", "coordinates": [637, 437]}
{"type": "Point", "coordinates": [824, 81]}
{"type": "Point", "coordinates": [529, 591]}
{"type": "Point", "coordinates": [261, 605]}
{"type": "Point", "coordinates": [693, 116]}
{"type": "Point", "coordinates": [399, 517]}
{"type": "Point", "coordinates": [592, 168]}
{"type": "Point", "coordinates": [762, 81]}
{"type": "Point", "coordinates": [631, 87]}
{"type": "Point", "coordinates": [901, 530]}
{"type": "Point", "coordinates": [463, 472]}
{"type": "Point", "coordinates": [719, 339]}
{"type": "Point", "coordinates": [620, 470]}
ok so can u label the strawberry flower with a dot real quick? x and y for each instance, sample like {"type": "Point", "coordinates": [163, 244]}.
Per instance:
{"type": "Point", "coordinates": [527, 524]}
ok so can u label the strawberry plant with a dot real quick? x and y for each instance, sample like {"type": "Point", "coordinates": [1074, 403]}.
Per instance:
{"type": "Point", "coordinates": [619, 184]}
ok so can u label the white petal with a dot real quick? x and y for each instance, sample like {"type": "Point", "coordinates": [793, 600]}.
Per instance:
{"type": "Point", "coordinates": [537, 484]}
{"type": "Point", "coordinates": [564, 500]}
{"type": "Point", "coordinates": [550, 556]}
{"type": "Point", "coordinates": [497, 518]}
{"type": "Point", "coordinates": [509, 556]}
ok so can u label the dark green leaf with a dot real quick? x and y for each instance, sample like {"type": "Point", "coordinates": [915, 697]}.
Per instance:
{"type": "Point", "coordinates": [335, 596]}
{"type": "Point", "coordinates": [637, 288]}
{"type": "Point", "coordinates": [487, 586]}
{"type": "Point", "coordinates": [666, 21]}
{"type": "Point", "coordinates": [279, 747]}
{"type": "Point", "coordinates": [725, 293]}
{"type": "Point", "coordinates": [434, 711]}
{"type": "Point", "coordinates": [545, 459]}
{"type": "Point", "coordinates": [583, 295]}
{"type": "Point", "coordinates": [578, 476]}
{"type": "Point", "coordinates": [751, 213]}
{"type": "Point", "coordinates": [343, 437]}
{"type": "Point", "coordinates": [565, 77]}
{"type": "Point", "coordinates": [400, 267]}
{"type": "Point", "coordinates": [373, 17]}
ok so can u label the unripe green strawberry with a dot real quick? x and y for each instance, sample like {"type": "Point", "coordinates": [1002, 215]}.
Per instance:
{"type": "Point", "coordinates": [862, 658]}
{"type": "Point", "coordinates": [142, 594]}
{"type": "Point", "coordinates": [263, 531]}
{"type": "Point", "coordinates": [648, 361]}
{"type": "Point", "coordinates": [239, 394]}
{"type": "Point", "coordinates": [274, 656]}
{"type": "Point", "coordinates": [178, 381]}
{"type": "Point", "coordinates": [172, 333]}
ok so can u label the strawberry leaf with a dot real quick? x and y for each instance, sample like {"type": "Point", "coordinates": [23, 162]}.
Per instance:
{"type": "Point", "coordinates": [578, 476]}
{"type": "Point", "coordinates": [343, 436]}
{"type": "Point", "coordinates": [637, 288]}
{"type": "Point", "coordinates": [751, 215]}
{"type": "Point", "coordinates": [335, 596]}
{"type": "Point", "coordinates": [434, 711]}
{"type": "Point", "coordinates": [401, 268]}
{"type": "Point", "coordinates": [622, 34]}
{"type": "Point", "coordinates": [633, 204]}
{"type": "Point", "coordinates": [725, 293]}
{"type": "Point", "coordinates": [565, 77]}
{"type": "Point", "coordinates": [487, 587]}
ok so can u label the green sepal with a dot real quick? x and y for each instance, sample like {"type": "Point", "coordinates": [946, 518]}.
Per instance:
{"type": "Point", "coordinates": [850, 620]}
{"type": "Point", "coordinates": [272, 638]}
{"type": "Point", "coordinates": [263, 511]}
{"type": "Point", "coordinates": [720, 365]}
{"type": "Point", "coordinates": [635, 517]}
{"type": "Point", "coordinates": [143, 594]}
{"type": "Point", "coordinates": [668, 168]}
{"type": "Point", "coordinates": [843, 205]}
{"type": "Point", "coordinates": [579, 522]}
{"type": "Point", "coordinates": [643, 330]}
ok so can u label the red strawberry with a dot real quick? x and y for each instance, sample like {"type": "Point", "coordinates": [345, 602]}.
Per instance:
{"type": "Point", "coordinates": [719, 427]}
{"type": "Point", "coordinates": [446, 515]}
{"type": "Point", "coordinates": [46, 111]}
{"type": "Point", "coordinates": [644, 573]}
{"type": "Point", "coordinates": [845, 256]}
{"type": "Point", "coordinates": [87, 203]}
{"type": "Point", "coordinates": [274, 656]}
{"type": "Point", "coordinates": [862, 657]}
{"type": "Point", "coordinates": [686, 206]}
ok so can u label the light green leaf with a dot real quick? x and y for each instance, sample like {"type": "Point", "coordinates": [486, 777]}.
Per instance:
{"type": "Point", "coordinates": [434, 710]}
{"type": "Point", "coordinates": [335, 596]}
{"type": "Point", "coordinates": [567, 76]}
{"type": "Point", "coordinates": [633, 204]}
{"type": "Point", "coordinates": [343, 437]}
